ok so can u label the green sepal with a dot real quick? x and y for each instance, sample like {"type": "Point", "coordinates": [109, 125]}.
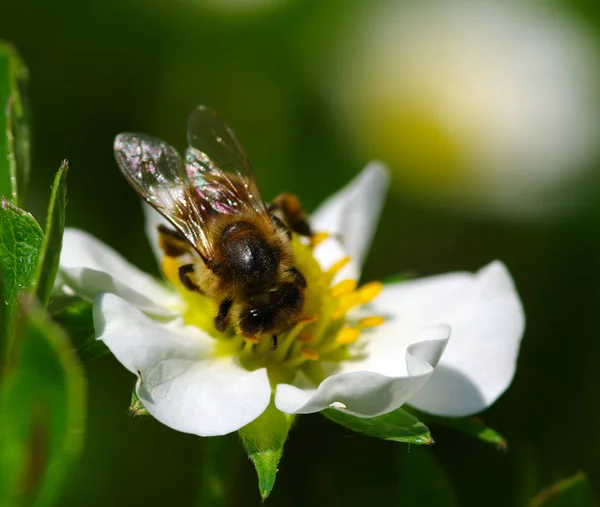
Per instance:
{"type": "Point", "coordinates": [470, 426]}
{"type": "Point", "coordinates": [42, 411]}
{"type": "Point", "coordinates": [77, 316]}
{"type": "Point", "coordinates": [20, 242]}
{"type": "Point", "coordinates": [72, 312]}
{"type": "Point", "coordinates": [263, 440]}
{"type": "Point", "coordinates": [136, 408]}
{"type": "Point", "coordinates": [53, 236]}
{"type": "Point", "coordinates": [400, 277]}
{"type": "Point", "coordinates": [575, 491]}
{"type": "Point", "coordinates": [397, 426]}
{"type": "Point", "coordinates": [14, 125]}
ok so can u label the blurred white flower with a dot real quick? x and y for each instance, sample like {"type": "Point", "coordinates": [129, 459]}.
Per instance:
{"type": "Point", "coordinates": [198, 381]}
{"type": "Point", "coordinates": [487, 106]}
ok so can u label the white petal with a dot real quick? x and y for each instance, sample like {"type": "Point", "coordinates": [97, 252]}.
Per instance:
{"type": "Point", "coordinates": [90, 267]}
{"type": "Point", "coordinates": [152, 220]}
{"type": "Point", "coordinates": [487, 321]}
{"type": "Point", "coordinates": [391, 373]}
{"type": "Point", "coordinates": [180, 380]}
{"type": "Point", "coordinates": [352, 214]}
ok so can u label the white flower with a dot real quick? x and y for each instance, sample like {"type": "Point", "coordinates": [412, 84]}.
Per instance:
{"type": "Point", "coordinates": [196, 383]}
{"type": "Point", "coordinates": [487, 106]}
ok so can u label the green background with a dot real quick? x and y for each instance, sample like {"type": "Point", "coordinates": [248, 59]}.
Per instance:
{"type": "Point", "coordinates": [100, 68]}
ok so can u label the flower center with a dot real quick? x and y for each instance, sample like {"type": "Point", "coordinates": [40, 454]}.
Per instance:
{"type": "Point", "coordinates": [323, 333]}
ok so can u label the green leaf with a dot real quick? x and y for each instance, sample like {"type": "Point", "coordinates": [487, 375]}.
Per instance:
{"type": "Point", "coordinates": [263, 440]}
{"type": "Point", "coordinates": [397, 426]}
{"type": "Point", "coordinates": [572, 492]}
{"type": "Point", "coordinates": [471, 426]}
{"type": "Point", "coordinates": [42, 412]}
{"type": "Point", "coordinates": [20, 242]}
{"type": "Point", "coordinates": [53, 236]}
{"type": "Point", "coordinates": [14, 125]}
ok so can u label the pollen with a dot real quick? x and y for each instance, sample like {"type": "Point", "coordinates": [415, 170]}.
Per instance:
{"type": "Point", "coordinates": [251, 339]}
{"type": "Point", "coordinates": [309, 354]}
{"type": "Point", "coordinates": [343, 288]}
{"type": "Point", "coordinates": [347, 335]}
{"type": "Point", "coordinates": [318, 238]}
{"type": "Point", "coordinates": [373, 321]}
{"type": "Point", "coordinates": [170, 268]}
{"type": "Point", "coordinates": [369, 292]}
{"type": "Point", "coordinates": [338, 265]}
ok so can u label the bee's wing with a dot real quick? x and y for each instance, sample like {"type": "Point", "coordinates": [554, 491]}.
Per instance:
{"type": "Point", "coordinates": [219, 166]}
{"type": "Point", "coordinates": [156, 171]}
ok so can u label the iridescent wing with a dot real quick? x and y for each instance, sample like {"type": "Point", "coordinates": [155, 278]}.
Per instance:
{"type": "Point", "coordinates": [157, 173]}
{"type": "Point", "coordinates": [219, 168]}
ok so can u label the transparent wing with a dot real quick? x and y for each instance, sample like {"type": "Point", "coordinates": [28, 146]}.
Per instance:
{"type": "Point", "coordinates": [219, 167]}
{"type": "Point", "coordinates": [156, 171]}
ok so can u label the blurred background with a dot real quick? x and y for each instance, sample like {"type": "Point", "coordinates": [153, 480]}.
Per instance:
{"type": "Point", "coordinates": [488, 115]}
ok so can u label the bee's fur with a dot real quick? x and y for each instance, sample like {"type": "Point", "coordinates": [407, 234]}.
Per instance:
{"type": "Point", "coordinates": [251, 272]}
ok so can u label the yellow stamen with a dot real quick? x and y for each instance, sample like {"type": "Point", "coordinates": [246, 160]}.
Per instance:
{"type": "Point", "coordinates": [369, 291]}
{"type": "Point", "coordinates": [318, 238]}
{"type": "Point", "coordinates": [347, 335]}
{"type": "Point", "coordinates": [373, 321]}
{"type": "Point", "coordinates": [307, 319]}
{"type": "Point", "coordinates": [309, 354]}
{"type": "Point", "coordinates": [290, 337]}
{"type": "Point", "coordinates": [304, 337]}
{"type": "Point", "coordinates": [338, 314]}
{"type": "Point", "coordinates": [321, 335]}
{"type": "Point", "coordinates": [338, 265]}
{"type": "Point", "coordinates": [349, 300]}
{"type": "Point", "coordinates": [343, 288]}
{"type": "Point", "coordinates": [345, 303]}
{"type": "Point", "coordinates": [170, 268]}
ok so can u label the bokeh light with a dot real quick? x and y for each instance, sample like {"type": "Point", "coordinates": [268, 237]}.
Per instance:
{"type": "Point", "coordinates": [483, 106]}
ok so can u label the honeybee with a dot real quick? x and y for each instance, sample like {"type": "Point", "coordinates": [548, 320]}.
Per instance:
{"type": "Point", "coordinates": [231, 246]}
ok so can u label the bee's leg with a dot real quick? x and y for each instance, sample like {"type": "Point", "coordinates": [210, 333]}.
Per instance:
{"type": "Point", "coordinates": [275, 343]}
{"type": "Point", "coordinates": [172, 242]}
{"type": "Point", "coordinates": [221, 318]}
{"type": "Point", "coordinates": [289, 208]}
{"type": "Point", "coordinates": [184, 272]}
{"type": "Point", "coordinates": [300, 280]}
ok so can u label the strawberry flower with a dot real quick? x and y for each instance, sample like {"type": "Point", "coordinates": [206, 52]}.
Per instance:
{"type": "Point", "coordinates": [446, 344]}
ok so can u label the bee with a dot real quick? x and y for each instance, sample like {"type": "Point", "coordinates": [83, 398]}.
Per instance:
{"type": "Point", "coordinates": [229, 244]}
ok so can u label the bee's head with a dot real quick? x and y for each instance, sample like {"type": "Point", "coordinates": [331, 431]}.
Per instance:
{"type": "Point", "coordinates": [272, 311]}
